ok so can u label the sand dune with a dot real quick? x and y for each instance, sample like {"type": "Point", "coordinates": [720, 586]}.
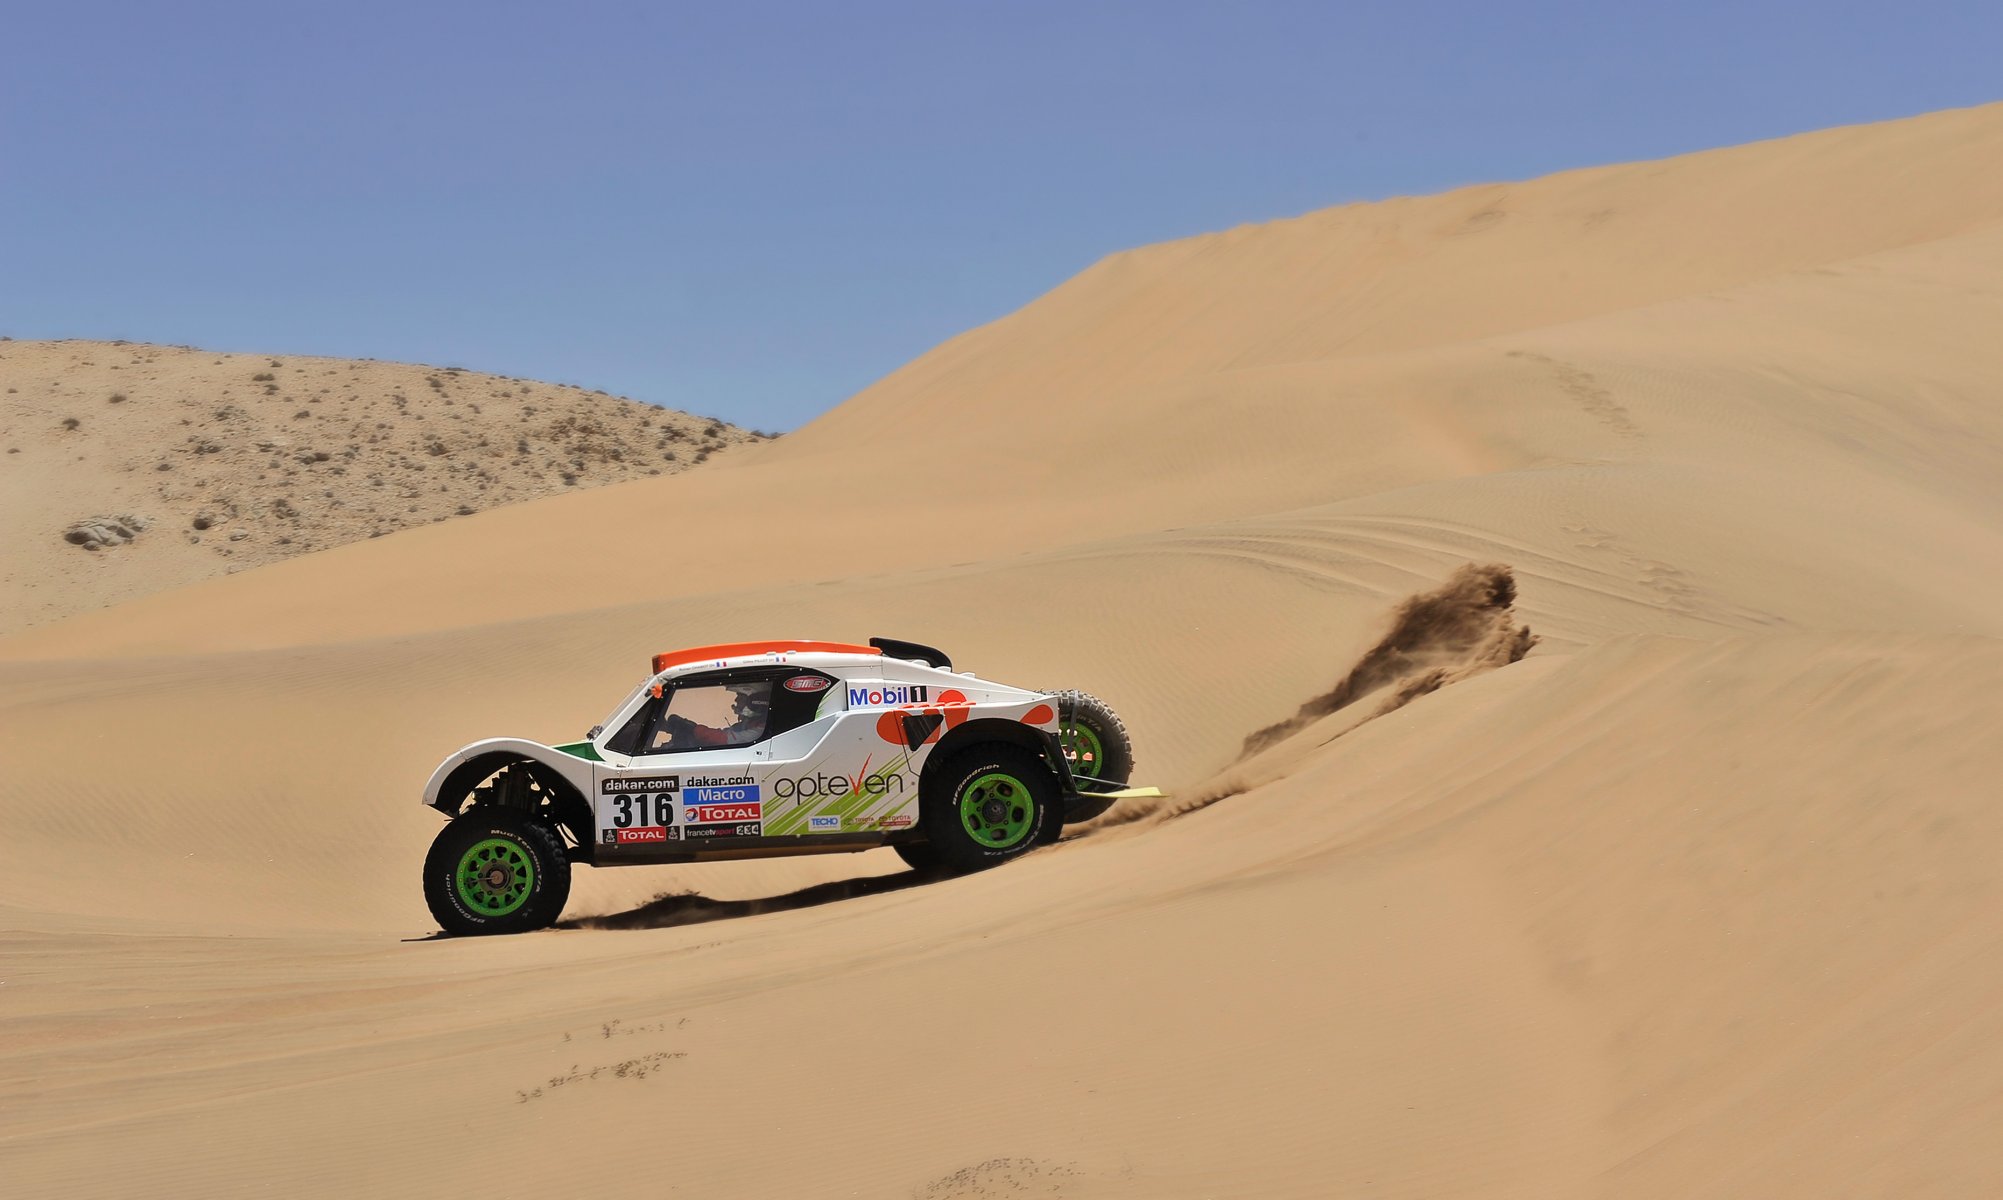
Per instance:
{"type": "Point", "coordinates": [1692, 899]}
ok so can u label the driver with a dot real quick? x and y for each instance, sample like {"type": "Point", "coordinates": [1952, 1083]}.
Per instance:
{"type": "Point", "coordinates": [751, 704]}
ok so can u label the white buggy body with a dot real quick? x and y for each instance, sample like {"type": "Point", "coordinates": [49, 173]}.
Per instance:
{"type": "Point", "coordinates": [851, 730]}
{"type": "Point", "coordinates": [757, 749]}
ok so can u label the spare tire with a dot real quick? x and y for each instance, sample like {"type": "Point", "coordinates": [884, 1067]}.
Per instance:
{"type": "Point", "coordinates": [1094, 739]}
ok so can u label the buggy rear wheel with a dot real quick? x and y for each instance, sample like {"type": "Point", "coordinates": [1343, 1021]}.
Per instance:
{"type": "Point", "coordinates": [919, 856]}
{"type": "Point", "coordinates": [987, 805]}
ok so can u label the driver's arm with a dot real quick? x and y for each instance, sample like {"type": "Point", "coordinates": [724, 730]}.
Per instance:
{"type": "Point", "coordinates": [684, 734]}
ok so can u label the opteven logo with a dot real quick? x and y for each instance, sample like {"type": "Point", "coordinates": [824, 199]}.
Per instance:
{"type": "Point", "coordinates": [811, 787]}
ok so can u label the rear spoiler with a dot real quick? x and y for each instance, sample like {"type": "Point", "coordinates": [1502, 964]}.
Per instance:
{"type": "Point", "coordinates": [913, 651]}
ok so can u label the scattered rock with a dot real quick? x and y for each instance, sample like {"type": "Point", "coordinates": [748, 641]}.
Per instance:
{"type": "Point", "coordinates": [96, 533]}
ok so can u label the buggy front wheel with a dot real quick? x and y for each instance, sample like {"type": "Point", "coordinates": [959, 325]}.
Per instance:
{"type": "Point", "coordinates": [496, 871]}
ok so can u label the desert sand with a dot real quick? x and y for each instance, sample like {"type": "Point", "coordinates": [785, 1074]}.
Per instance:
{"type": "Point", "coordinates": [1695, 898]}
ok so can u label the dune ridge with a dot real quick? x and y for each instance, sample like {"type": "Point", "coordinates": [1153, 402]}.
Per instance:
{"type": "Point", "coordinates": [1690, 895]}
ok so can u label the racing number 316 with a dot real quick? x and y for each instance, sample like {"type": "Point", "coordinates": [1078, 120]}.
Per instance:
{"type": "Point", "coordinates": [642, 810]}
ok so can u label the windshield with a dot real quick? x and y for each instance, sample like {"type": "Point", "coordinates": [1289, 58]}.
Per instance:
{"type": "Point", "coordinates": [711, 714]}
{"type": "Point", "coordinates": [710, 717]}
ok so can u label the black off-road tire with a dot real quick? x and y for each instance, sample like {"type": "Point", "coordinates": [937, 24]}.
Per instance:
{"type": "Point", "coordinates": [517, 876]}
{"type": "Point", "coordinates": [1009, 795]}
{"type": "Point", "coordinates": [919, 856]}
{"type": "Point", "coordinates": [1114, 759]}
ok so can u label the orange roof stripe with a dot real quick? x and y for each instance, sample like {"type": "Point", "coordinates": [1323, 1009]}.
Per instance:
{"type": "Point", "coordinates": [677, 658]}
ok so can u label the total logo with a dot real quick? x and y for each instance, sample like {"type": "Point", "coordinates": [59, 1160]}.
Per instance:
{"type": "Point", "coordinates": [626, 837]}
{"type": "Point", "coordinates": [887, 695]}
{"type": "Point", "coordinates": [717, 814]}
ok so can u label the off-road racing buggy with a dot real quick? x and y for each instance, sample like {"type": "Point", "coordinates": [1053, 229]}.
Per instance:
{"type": "Point", "coordinates": [759, 749]}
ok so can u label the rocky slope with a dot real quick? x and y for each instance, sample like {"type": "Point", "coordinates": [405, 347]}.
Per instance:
{"type": "Point", "coordinates": [129, 468]}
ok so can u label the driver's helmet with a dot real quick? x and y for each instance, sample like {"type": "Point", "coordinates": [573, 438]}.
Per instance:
{"type": "Point", "coordinates": [754, 701]}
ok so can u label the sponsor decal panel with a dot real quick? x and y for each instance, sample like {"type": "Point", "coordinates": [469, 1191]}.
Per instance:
{"type": "Point", "coordinates": [886, 695]}
{"type": "Point", "coordinates": [729, 829]}
{"type": "Point", "coordinates": [630, 803]}
{"type": "Point", "coordinates": [642, 783]}
{"type": "Point", "coordinates": [633, 837]}
{"type": "Point", "coordinates": [836, 789]}
{"type": "Point", "coordinates": [709, 781]}
{"type": "Point", "coordinates": [711, 814]}
{"type": "Point", "coordinates": [720, 795]}
{"type": "Point", "coordinates": [824, 824]}
{"type": "Point", "coordinates": [826, 787]}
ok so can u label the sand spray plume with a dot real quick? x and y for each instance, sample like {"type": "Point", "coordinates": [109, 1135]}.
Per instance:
{"type": "Point", "coordinates": [1465, 627]}
{"type": "Point", "coordinates": [1462, 628]}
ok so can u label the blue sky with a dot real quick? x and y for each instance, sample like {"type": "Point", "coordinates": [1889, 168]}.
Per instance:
{"type": "Point", "coordinates": [755, 209]}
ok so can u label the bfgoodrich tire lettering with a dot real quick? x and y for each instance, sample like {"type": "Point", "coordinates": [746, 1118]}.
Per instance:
{"type": "Point", "coordinates": [493, 870]}
{"type": "Point", "coordinates": [987, 805]}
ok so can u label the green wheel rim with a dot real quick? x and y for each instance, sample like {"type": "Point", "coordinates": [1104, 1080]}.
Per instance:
{"type": "Point", "coordinates": [1082, 749]}
{"type": "Point", "coordinates": [997, 810]}
{"type": "Point", "coordinates": [495, 877]}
